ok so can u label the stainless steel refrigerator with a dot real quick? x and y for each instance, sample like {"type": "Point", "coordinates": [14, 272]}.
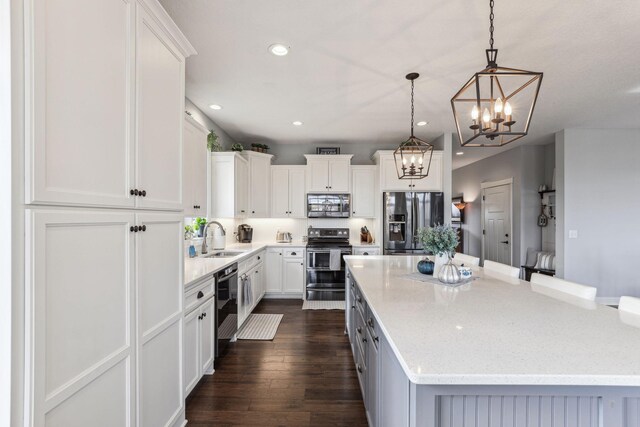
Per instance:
{"type": "Point", "coordinates": [404, 214]}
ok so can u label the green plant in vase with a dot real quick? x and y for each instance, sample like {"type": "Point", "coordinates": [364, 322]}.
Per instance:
{"type": "Point", "coordinates": [442, 240]}
{"type": "Point", "coordinates": [237, 147]}
{"type": "Point", "coordinates": [198, 225]}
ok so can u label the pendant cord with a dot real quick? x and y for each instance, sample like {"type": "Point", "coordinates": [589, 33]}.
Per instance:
{"type": "Point", "coordinates": [412, 109]}
{"type": "Point", "coordinates": [491, 24]}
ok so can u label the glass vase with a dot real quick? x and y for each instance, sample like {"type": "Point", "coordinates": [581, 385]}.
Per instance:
{"type": "Point", "coordinates": [449, 273]}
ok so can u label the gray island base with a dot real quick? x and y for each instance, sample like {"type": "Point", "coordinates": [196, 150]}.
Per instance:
{"type": "Point", "coordinates": [492, 354]}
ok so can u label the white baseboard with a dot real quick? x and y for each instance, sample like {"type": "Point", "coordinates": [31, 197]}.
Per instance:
{"type": "Point", "coordinates": [608, 300]}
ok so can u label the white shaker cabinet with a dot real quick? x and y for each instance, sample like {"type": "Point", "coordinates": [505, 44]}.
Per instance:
{"type": "Point", "coordinates": [195, 158]}
{"type": "Point", "coordinates": [288, 190]}
{"type": "Point", "coordinates": [274, 270]}
{"type": "Point", "coordinates": [329, 173]}
{"type": "Point", "coordinates": [228, 185]}
{"type": "Point", "coordinates": [96, 144]}
{"type": "Point", "coordinates": [159, 278]}
{"type": "Point", "coordinates": [293, 275]}
{"type": "Point", "coordinates": [259, 187]}
{"type": "Point", "coordinates": [82, 358]}
{"type": "Point", "coordinates": [389, 176]}
{"type": "Point", "coordinates": [102, 317]}
{"type": "Point", "coordinates": [363, 195]}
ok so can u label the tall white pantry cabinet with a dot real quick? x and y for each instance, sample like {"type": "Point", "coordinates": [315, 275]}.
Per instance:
{"type": "Point", "coordinates": [103, 189]}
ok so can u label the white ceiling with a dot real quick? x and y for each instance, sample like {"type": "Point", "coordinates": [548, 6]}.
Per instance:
{"type": "Point", "coordinates": [344, 76]}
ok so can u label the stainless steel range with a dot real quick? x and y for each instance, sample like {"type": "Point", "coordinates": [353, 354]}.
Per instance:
{"type": "Point", "coordinates": [326, 248]}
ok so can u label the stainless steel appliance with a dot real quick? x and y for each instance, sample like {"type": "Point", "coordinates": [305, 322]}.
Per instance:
{"type": "Point", "coordinates": [328, 205]}
{"type": "Point", "coordinates": [404, 214]}
{"type": "Point", "coordinates": [326, 248]}
{"type": "Point", "coordinates": [226, 308]}
{"type": "Point", "coordinates": [283, 237]}
{"type": "Point", "coordinates": [245, 233]}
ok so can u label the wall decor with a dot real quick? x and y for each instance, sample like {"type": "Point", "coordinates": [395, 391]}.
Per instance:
{"type": "Point", "coordinates": [328, 150]}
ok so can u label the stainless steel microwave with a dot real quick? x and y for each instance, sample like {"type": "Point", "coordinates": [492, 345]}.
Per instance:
{"type": "Point", "coordinates": [328, 205]}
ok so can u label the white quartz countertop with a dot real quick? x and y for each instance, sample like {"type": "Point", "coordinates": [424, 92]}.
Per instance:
{"type": "Point", "coordinates": [496, 330]}
{"type": "Point", "coordinates": [199, 267]}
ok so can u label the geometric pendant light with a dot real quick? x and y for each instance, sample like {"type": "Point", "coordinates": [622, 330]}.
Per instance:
{"type": "Point", "coordinates": [413, 156]}
{"type": "Point", "coordinates": [495, 106]}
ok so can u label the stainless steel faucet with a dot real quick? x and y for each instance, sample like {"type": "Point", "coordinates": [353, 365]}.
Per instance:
{"type": "Point", "coordinates": [204, 235]}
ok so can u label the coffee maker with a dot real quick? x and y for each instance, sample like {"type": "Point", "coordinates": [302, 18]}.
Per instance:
{"type": "Point", "coordinates": [244, 234]}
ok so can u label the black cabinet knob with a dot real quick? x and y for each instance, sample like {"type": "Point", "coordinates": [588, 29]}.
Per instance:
{"type": "Point", "coordinates": [253, 211]}
{"type": "Point", "coordinates": [200, 294]}
{"type": "Point", "coordinates": [359, 329]}
{"type": "Point", "coordinates": [376, 339]}
{"type": "Point", "coordinates": [131, 229]}
{"type": "Point", "coordinates": [258, 258]}
{"type": "Point", "coordinates": [143, 228]}
{"type": "Point", "coordinates": [135, 229]}
{"type": "Point", "coordinates": [364, 339]}
{"type": "Point", "coordinates": [143, 193]}
{"type": "Point", "coordinates": [293, 254]}
{"type": "Point", "coordinates": [366, 253]}
{"type": "Point", "coordinates": [199, 317]}
{"type": "Point", "coordinates": [204, 314]}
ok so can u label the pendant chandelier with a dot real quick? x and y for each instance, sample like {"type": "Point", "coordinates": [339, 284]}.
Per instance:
{"type": "Point", "coordinates": [413, 156]}
{"type": "Point", "coordinates": [495, 106]}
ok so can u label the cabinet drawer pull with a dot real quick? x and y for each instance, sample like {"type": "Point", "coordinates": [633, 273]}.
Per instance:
{"type": "Point", "coordinates": [359, 329]}
{"type": "Point", "coordinates": [200, 294]}
{"type": "Point", "coordinates": [293, 254]}
{"type": "Point", "coordinates": [376, 339]}
{"type": "Point", "coordinates": [204, 315]}
{"type": "Point", "coordinates": [200, 317]}
{"type": "Point", "coordinates": [370, 322]}
{"type": "Point", "coordinates": [364, 339]}
{"type": "Point", "coordinates": [353, 306]}
{"type": "Point", "coordinates": [359, 298]}
{"type": "Point", "coordinates": [359, 368]}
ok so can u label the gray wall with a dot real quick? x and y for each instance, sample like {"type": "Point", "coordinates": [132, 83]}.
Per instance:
{"type": "Point", "coordinates": [601, 177]}
{"type": "Point", "coordinates": [549, 163]}
{"type": "Point", "coordinates": [525, 164]}
{"type": "Point", "coordinates": [205, 121]}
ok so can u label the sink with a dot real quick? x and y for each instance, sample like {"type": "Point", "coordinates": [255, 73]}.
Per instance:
{"type": "Point", "coordinates": [222, 254]}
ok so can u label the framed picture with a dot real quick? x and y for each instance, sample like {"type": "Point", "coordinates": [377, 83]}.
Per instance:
{"type": "Point", "coordinates": [328, 150]}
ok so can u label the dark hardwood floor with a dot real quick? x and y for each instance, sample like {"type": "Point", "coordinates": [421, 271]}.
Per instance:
{"type": "Point", "coordinates": [304, 377]}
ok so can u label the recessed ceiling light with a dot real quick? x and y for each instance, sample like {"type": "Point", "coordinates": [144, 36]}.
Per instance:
{"type": "Point", "coordinates": [215, 107]}
{"type": "Point", "coordinates": [421, 123]}
{"type": "Point", "coordinates": [278, 49]}
{"type": "Point", "coordinates": [297, 123]}
{"type": "Point", "coordinates": [459, 153]}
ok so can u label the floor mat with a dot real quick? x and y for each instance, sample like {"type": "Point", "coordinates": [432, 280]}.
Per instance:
{"type": "Point", "coordinates": [260, 327]}
{"type": "Point", "coordinates": [323, 305]}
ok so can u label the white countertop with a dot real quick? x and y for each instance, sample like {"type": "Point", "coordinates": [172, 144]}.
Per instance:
{"type": "Point", "coordinates": [199, 267]}
{"type": "Point", "coordinates": [496, 330]}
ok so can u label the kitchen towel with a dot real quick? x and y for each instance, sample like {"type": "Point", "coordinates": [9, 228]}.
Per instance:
{"type": "Point", "coordinates": [335, 259]}
{"type": "Point", "coordinates": [247, 292]}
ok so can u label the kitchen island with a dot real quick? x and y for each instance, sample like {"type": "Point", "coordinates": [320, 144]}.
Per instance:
{"type": "Point", "coordinates": [494, 352]}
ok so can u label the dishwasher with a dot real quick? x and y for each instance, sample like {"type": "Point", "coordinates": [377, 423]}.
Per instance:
{"type": "Point", "coordinates": [226, 308]}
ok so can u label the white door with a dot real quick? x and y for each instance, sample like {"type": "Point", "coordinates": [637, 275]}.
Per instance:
{"type": "Point", "coordinates": [159, 105]}
{"type": "Point", "coordinates": [159, 258]}
{"type": "Point", "coordinates": [318, 176]}
{"type": "Point", "coordinates": [80, 146]}
{"type": "Point", "coordinates": [274, 270]}
{"type": "Point", "coordinates": [363, 194]}
{"type": "Point", "coordinates": [297, 193]}
{"type": "Point", "coordinates": [496, 207]}
{"type": "Point", "coordinates": [242, 187]}
{"type": "Point", "coordinates": [191, 350]}
{"type": "Point", "coordinates": [79, 304]}
{"type": "Point", "coordinates": [293, 275]}
{"type": "Point", "coordinates": [339, 175]}
{"type": "Point", "coordinates": [207, 331]}
{"type": "Point", "coordinates": [280, 192]}
{"type": "Point", "coordinates": [194, 178]}
{"type": "Point", "coordinates": [259, 188]}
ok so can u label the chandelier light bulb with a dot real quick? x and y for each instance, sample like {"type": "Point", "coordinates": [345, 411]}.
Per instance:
{"type": "Point", "coordinates": [404, 161]}
{"type": "Point", "coordinates": [475, 113]}
{"type": "Point", "coordinates": [507, 108]}
{"type": "Point", "coordinates": [486, 116]}
{"type": "Point", "coordinates": [498, 106]}
{"type": "Point", "coordinates": [420, 161]}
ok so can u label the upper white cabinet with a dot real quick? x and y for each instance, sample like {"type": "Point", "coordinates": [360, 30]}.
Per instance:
{"type": "Point", "coordinates": [389, 176]}
{"type": "Point", "coordinates": [329, 174]}
{"type": "Point", "coordinates": [95, 144]}
{"type": "Point", "coordinates": [288, 192]}
{"type": "Point", "coordinates": [259, 191]}
{"type": "Point", "coordinates": [363, 195]}
{"type": "Point", "coordinates": [194, 177]}
{"type": "Point", "coordinates": [229, 185]}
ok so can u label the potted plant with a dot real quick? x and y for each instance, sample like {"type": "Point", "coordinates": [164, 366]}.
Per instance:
{"type": "Point", "coordinates": [198, 225]}
{"type": "Point", "coordinates": [441, 241]}
{"type": "Point", "coordinates": [212, 142]}
{"type": "Point", "coordinates": [237, 147]}
{"type": "Point", "coordinates": [188, 232]}
{"type": "Point", "coordinates": [265, 148]}
{"type": "Point", "coordinates": [255, 147]}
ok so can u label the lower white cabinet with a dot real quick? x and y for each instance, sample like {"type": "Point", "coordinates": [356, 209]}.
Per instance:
{"type": "Point", "coordinates": [364, 250]}
{"type": "Point", "coordinates": [285, 271]}
{"type": "Point", "coordinates": [199, 335]}
{"type": "Point", "coordinates": [100, 318]}
{"type": "Point", "coordinates": [253, 270]}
